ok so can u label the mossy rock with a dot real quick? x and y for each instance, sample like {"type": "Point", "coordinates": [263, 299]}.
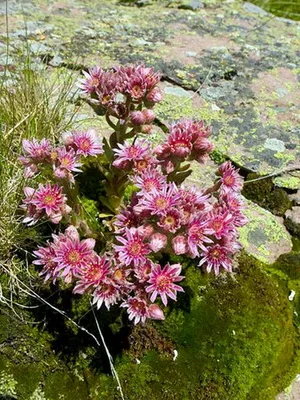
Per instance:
{"type": "Point", "coordinates": [264, 236]}
{"type": "Point", "coordinates": [236, 342]}
{"type": "Point", "coordinates": [264, 194]}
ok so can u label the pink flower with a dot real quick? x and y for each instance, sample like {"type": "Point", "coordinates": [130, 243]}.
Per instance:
{"type": "Point", "coordinates": [157, 242]}
{"type": "Point", "coordinates": [126, 153]}
{"type": "Point", "coordinates": [162, 282]}
{"type": "Point", "coordinates": [170, 222]}
{"type": "Point", "coordinates": [46, 200]}
{"type": "Point", "coordinates": [125, 219]}
{"type": "Point", "coordinates": [45, 256]}
{"type": "Point", "coordinates": [66, 163]}
{"type": "Point", "coordinates": [198, 230]}
{"type": "Point", "coordinates": [193, 200]}
{"type": "Point", "coordinates": [142, 271]}
{"type": "Point", "coordinates": [179, 244]}
{"type": "Point", "coordinates": [92, 274]}
{"type": "Point", "coordinates": [158, 202]}
{"type": "Point", "coordinates": [137, 118]}
{"type": "Point", "coordinates": [162, 151]}
{"type": "Point", "coordinates": [92, 80]}
{"type": "Point", "coordinates": [230, 178]}
{"type": "Point", "coordinates": [35, 152]}
{"type": "Point", "coordinates": [149, 116]}
{"type": "Point", "coordinates": [32, 213]}
{"type": "Point", "coordinates": [108, 292]}
{"type": "Point", "coordinates": [234, 203]}
{"type": "Point", "coordinates": [148, 180]}
{"type": "Point", "coordinates": [74, 255]}
{"type": "Point", "coordinates": [87, 143]}
{"type": "Point", "coordinates": [137, 309]}
{"type": "Point", "coordinates": [139, 80]}
{"type": "Point", "coordinates": [154, 96]}
{"type": "Point", "coordinates": [180, 141]}
{"type": "Point", "coordinates": [221, 222]}
{"type": "Point", "coordinates": [133, 249]}
{"type": "Point", "coordinates": [49, 198]}
{"type": "Point", "coordinates": [215, 257]}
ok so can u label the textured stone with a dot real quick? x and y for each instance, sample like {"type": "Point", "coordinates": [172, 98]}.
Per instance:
{"type": "Point", "coordinates": [292, 220]}
{"type": "Point", "coordinates": [295, 198]}
{"type": "Point", "coordinates": [264, 237]}
{"type": "Point", "coordinates": [241, 67]}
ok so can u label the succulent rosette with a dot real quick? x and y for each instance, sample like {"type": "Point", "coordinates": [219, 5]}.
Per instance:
{"type": "Point", "coordinates": [121, 263]}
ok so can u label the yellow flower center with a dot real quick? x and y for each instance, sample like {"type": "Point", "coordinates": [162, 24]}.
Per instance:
{"type": "Point", "coordinates": [161, 203]}
{"type": "Point", "coordinates": [74, 256]}
{"type": "Point", "coordinates": [85, 144]}
{"type": "Point", "coordinates": [49, 200]}
{"type": "Point", "coordinates": [135, 249]}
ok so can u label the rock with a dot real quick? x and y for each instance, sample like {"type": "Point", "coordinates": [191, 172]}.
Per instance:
{"type": "Point", "coordinates": [244, 71]}
{"type": "Point", "coordinates": [264, 237]}
{"type": "Point", "coordinates": [288, 181]}
{"type": "Point", "coordinates": [252, 8]}
{"type": "Point", "coordinates": [190, 5]}
{"type": "Point", "coordinates": [292, 220]}
{"type": "Point", "coordinates": [295, 198]}
{"type": "Point", "coordinates": [292, 392]}
{"type": "Point", "coordinates": [203, 176]}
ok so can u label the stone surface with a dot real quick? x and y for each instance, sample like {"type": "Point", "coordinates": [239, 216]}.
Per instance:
{"type": "Point", "coordinates": [288, 181]}
{"type": "Point", "coordinates": [292, 392]}
{"type": "Point", "coordinates": [264, 237]}
{"type": "Point", "coordinates": [242, 63]}
{"type": "Point", "coordinates": [295, 198]}
{"type": "Point", "coordinates": [292, 220]}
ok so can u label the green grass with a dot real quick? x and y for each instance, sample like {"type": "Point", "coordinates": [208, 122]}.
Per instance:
{"type": "Point", "coordinates": [35, 104]}
{"type": "Point", "coordinates": [282, 8]}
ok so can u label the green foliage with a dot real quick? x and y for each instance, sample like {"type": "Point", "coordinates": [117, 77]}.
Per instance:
{"type": "Point", "coordinates": [33, 106]}
{"type": "Point", "coordinates": [285, 9]}
{"type": "Point", "coordinates": [7, 384]}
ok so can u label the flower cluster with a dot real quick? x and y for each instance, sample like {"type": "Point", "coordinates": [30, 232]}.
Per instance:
{"type": "Point", "coordinates": [62, 163]}
{"type": "Point", "coordinates": [187, 140]}
{"type": "Point", "coordinates": [122, 91]}
{"type": "Point", "coordinates": [162, 215]}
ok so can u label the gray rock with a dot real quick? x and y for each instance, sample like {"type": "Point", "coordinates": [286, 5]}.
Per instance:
{"type": "Point", "coordinates": [191, 5]}
{"type": "Point", "coordinates": [292, 220]}
{"type": "Point", "coordinates": [252, 8]}
{"type": "Point", "coordinates": [292, 392]}
{"type": "Point", "coordinates": [295, 198]}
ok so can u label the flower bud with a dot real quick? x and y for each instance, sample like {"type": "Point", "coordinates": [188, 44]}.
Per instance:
{"type": "Point", "coordinates": [155, 95]}
{"type": "Point", "coordinates": [146, 129]}
{"type": "Point", "coordinates": [137, 118]}
{"type": "Point", "coordinates": [179, 245]}
{"type": "Point", "coordinates": [157, 242]}
{"type": "Point", "coordinates": [148, 116]}
{"type": "Point", "coordinates": [155, 312]}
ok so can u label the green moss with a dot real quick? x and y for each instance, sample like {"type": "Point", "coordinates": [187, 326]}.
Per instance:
{"type": "Point", "coordinates": [235, 340]}
{"type": "Point", "coordinates": [263, 193]}
{"type": "Point", "coordinates": [279, 202]}
{"type": "Point", "coordinates": [65, 386]}
{"type": "Point", "coordinates": [289, 264]}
